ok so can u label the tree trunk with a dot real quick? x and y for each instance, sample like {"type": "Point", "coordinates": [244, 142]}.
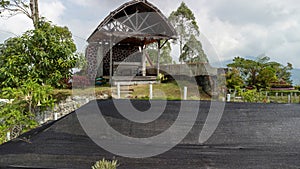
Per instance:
{"type": "Point", "coordinates": [34, 7]}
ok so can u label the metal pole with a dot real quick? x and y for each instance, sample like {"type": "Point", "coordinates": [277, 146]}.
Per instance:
{"type": "Point", "coordinates": [8, 136]}
{"type": "Point", "coordinates": [228, 97]}
{"type": "Point", "coordinates": [119, 90]}
{"type": "Point", "coordinates": [55, 116]}
{"type": "Point", "coordinates": [151, 91]}
{"type": "Point", "coordinates": [185, 93]}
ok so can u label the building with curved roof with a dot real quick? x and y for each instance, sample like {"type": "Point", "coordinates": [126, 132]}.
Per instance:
{"type": "Point", "coordinates": [116, 47]}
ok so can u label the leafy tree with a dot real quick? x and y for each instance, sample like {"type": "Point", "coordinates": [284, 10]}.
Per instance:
{"type": "Point", "coordinates": [29, 8]}
{"type": "Point", "coordinates": [185, 24]}
{"type": "Point", "coordinates": [233, 79]}
{"type": "Point", "coordinates": [260, 73]}
{"type": "Point", "coordinates": [165, 54]}
{"type": "Point", "coordinates": [193, 52]}
{"type": "Point", "coordinates": [45, 54]}
{"type": "Point", "coordinates": [266, 76]}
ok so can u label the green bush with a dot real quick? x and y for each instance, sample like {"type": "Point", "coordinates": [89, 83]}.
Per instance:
{"type": "Point", "coordinates": [19, 115]}
{"type": "Point", "coordinates": [104, 164]}
{"type": "Point", "coordinates": [253, 96]}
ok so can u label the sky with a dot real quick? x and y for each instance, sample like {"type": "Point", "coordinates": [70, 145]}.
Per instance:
{"type": "Point", "coordinates": [229, 28]}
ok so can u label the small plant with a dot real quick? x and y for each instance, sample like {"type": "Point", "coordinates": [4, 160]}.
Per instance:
{"type": "Point", "coordinates": [105, 164]}
{"type": "Point", "coordinates": [161, 77]}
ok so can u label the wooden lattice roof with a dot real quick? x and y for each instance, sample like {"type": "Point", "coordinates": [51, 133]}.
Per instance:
{"type": "Point", "coordinates": [136, 22]}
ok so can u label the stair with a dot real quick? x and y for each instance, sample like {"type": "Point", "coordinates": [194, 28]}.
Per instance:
{"type": "Point", "coordinates": [126, 92]}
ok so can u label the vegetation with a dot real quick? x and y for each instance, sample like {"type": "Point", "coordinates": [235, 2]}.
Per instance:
{"type": "Point", "coordinates": [165, 54]}
{"type": "Point", "coordinates": [27, 101]}
{"type": "Point", "coordinates": [193, 52]}
{"type": "Point", "coordinates": [28, 8]}
{"type": "Point", "coordinates": [45, 54]}
{"type": "Point", "coordinates": [30, 66]}
{"type": "Point", "coordinates": [259, 73]}
{"type": "Point", "coordinates": [186, 26]}
{"type": "Point", "coordinates": [104, 164]}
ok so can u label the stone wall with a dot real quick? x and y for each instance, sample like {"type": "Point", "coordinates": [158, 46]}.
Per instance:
{"type": "Point", "coordinates": [120, 53]}
{"type": "Point", "coordinates": [65, 107]}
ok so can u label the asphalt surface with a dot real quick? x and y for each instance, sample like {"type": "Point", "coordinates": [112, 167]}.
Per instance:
{"type": "Point", "coordinates": [248, 136]}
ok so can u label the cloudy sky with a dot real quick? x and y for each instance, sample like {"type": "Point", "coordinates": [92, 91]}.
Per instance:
{"type": "Point", "coordinates": [229, 27]}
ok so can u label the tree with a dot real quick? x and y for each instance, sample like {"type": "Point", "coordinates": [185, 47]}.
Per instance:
{"type": "Point", "coordinates": [185, 24]}
{"type": "Point", "coordinates": [266, 76]}
{"type": "Point", "coordinates": [233, 79]}
{"type": "Point", "coordinates": [45, 54]}
{"type": "Point", "coordinates": [261, 73]}
{"type": "Point", "coordinates": [193, 52]}
{"type": "Point", "coordinates": [14, 7]}
{"type": "Point", "coordinates": [165, 54]}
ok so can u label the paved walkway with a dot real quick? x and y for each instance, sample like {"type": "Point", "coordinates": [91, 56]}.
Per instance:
{"type": "Point", "coordinates": [249, 136]}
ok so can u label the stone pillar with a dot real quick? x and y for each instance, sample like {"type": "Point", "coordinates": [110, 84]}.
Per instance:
{"type": "Point", "coordinates": [91, 56]}
{"type": "Point", "coordinates": [100, 56]}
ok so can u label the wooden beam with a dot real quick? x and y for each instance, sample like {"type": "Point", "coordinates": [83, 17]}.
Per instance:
{"type": "Point", "coordinates": [111, 60]}
{"type": "Point", "coordinates": [158, 57]}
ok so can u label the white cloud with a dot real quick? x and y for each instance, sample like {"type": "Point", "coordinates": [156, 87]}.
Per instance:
{"type": "Point", "coordinates": [233, 27]}
{"type": "Point", "coordinates": [53, 10]}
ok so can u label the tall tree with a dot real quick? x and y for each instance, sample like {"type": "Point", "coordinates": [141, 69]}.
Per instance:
{"type": "Point", "coordinates": [184, 22]}
{"type": "Point", "coordinates": [29, 8]}
{"type": "Point", "coordinates": [165, 53]}
{"type": "Point", "coordinates": [193, 52]}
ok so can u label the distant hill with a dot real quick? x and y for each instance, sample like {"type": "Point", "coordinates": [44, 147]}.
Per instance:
{"type": "Point", "coordinates": [296, 76]}
{"type": "Point", "coordinates": [224, 63]}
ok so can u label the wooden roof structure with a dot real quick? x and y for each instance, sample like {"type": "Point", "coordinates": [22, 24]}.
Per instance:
{"type": "Point", "coordinates": [136, 22]}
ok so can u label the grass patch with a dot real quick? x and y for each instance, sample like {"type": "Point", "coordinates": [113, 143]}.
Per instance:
{"type": "Point", "coordinates": [162, 91]}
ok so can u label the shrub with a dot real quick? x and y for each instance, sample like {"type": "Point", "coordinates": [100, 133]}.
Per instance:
{"type": "Point", "coordinates": [104, 164]}
{"type": "Point", "coordinates": [18, 116]}
{"type": "Point", "coordinates": [253, 96]}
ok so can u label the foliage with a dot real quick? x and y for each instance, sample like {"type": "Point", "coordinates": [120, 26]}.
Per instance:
{"type": "Point", "coordinates": [81, 63]}
{"type": "Point", "coordinates": [165, 53]}
{"type": "Point", "coordinates": [27, 101]}
{"type": "Point", "coordinates": [104, 164]}
{"type": "Point", "coordinates": [266, 76]}
{"type": "Point", "coordinates": [45, 54]}
{"type": "Point", "coordinates": [193, 52]}
{"type": "Point", "coordinates": [184, 22]}
{"type": "Point", "coordinates": [260, 73]}
{"type": "Point", "coordinates": [253, 96]}
{"type": "Point", "coordinates": [233, 79]}
{"type": "Point", "coordinates": [28, 8]}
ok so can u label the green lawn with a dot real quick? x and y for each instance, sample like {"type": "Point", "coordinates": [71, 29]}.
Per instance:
{"type": "Point", "coordinates": [169, 91]}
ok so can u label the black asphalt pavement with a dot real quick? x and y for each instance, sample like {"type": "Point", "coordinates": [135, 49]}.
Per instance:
{"type": "Point", "coordinates": [249, 135]}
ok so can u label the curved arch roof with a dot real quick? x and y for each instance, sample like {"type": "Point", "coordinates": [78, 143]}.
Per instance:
{"type": "Point", "coordinates": [136, 22]}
